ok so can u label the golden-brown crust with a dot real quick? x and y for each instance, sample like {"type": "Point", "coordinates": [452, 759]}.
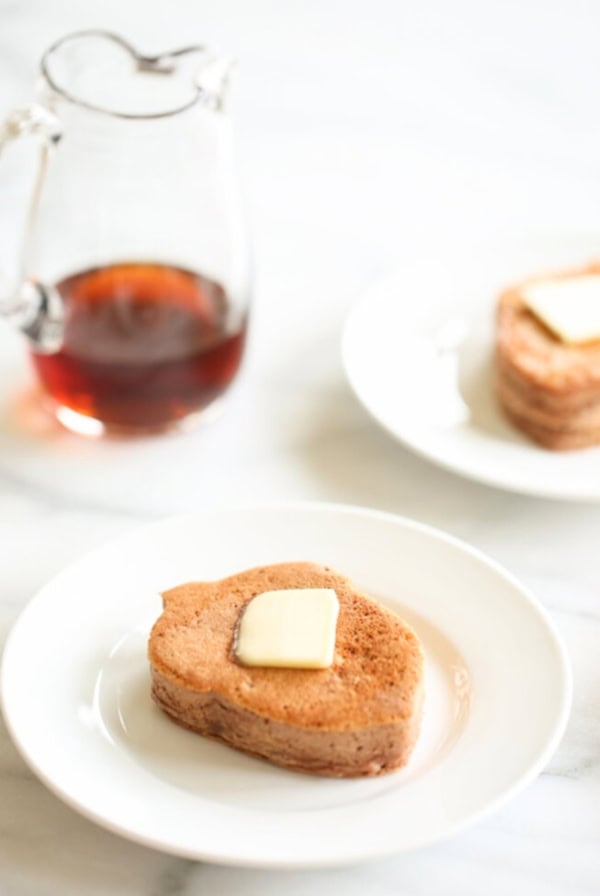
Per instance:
{"type": "Point", "coordinates": [359, 717]}
{"type": "Point", "coordinates": [557, 404]}
{"type": "Point", "coordinates": [378, 658]}
{"type": "Point", "coordinates": [526, 404]}
{"type": "Point", "coordinates": [551, 437]}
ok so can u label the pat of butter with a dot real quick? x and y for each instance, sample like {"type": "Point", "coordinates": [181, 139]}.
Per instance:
{"type": "Point", "coordinates": [294, 628]}
{"type": "Point", "coordinates": [569, 306]}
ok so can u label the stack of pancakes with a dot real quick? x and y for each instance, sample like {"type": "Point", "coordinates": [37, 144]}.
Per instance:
{"type": "Point", "coordinates": [548, 388]}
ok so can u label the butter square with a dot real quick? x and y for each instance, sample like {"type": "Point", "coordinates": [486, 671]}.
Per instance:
{"type": "Point", "coordinates": [293, 628]}
{"type": "Point", "coordinates": [569, 306]}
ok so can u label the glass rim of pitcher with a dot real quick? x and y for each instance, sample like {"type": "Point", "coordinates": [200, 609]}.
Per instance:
{"type": "Point", "coordinates": [161, 63]}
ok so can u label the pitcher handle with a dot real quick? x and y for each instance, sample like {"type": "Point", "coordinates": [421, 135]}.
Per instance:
{"type": "Point", "coordinates": [34, 308]}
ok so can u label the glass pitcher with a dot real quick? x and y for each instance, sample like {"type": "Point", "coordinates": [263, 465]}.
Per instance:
{"type": "Point", "coordinates": [135, 278]}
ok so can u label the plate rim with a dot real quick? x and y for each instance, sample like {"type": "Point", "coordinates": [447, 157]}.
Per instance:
{"type": "Point", "coordinates": [337, 860]}
{"type": "Point", "coordinates": [369, 294]}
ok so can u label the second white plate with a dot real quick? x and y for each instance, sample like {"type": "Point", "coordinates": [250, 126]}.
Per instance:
{"type": "Point", "coordinates": [76, 693]}
{"type": "Point", "coordinates": [418, 350]}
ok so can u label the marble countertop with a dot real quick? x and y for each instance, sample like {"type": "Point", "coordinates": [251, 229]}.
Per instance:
{"type": "Point", "coordinates": [365, 129]}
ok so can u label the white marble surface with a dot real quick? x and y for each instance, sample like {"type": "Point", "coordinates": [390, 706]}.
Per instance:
{"type": "Point", "coordinates": [366, 128]}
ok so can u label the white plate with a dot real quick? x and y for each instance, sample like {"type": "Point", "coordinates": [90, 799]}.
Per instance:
{"type": "Point", "coordinates": [418, 351]}
{"type": "Point", "coordinates": [75, 689]}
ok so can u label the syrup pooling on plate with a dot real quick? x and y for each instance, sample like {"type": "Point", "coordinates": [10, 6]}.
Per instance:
{"type": "Point", "coordinates": [145, 345]}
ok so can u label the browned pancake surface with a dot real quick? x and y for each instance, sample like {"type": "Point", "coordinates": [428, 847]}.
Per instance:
{"type": "Point", "coordinates": [377, 663]}
{"type": "Point", "coordinates": [550, 390]}
{"type": "Point", "coordinates": [359, 717]}
{"type": "Point", "coordinates": [531, 351]}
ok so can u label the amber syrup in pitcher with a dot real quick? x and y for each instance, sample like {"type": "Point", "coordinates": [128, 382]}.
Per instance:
{"type": "Point", "coordinates": [145, 346]}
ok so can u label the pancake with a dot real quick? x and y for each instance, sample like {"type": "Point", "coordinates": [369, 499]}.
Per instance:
{"type": "Point", "coordinates": [548, 389]}
{"type": "Point", "coordinates": [359, 717]}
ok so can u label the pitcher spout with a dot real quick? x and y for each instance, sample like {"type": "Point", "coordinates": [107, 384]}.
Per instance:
{"type": "Point", "coordinates": [213, 79]}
